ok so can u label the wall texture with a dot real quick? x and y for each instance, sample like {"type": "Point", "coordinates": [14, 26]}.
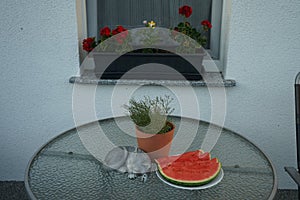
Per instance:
{"type": "Point", "coordinates": [39, 53]}
{"type": "Point", "coordinates": [264, 44]}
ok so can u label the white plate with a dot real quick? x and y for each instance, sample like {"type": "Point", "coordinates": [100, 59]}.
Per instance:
{"type": "Point", "coordinates": [201, 187]}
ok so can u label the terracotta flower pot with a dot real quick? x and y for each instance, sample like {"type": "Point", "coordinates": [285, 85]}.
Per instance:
{"type": "Point", "coordinates": [156, 145]}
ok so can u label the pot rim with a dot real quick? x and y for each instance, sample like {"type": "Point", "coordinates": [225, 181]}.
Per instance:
{"type": "Point", "coordinates": [169, 122]}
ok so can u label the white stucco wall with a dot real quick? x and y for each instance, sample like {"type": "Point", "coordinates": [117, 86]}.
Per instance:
{"type": "Point", "coordinates": [263, 57]}
{"type": "Point", "coordinates": [39, 53]}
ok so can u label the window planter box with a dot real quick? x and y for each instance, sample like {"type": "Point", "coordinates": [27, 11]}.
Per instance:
{"type": "Point", "coordinates": [148, 66]}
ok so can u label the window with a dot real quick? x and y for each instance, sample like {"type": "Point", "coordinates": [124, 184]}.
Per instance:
{"type": "Point", "coordinates": [130, 14]}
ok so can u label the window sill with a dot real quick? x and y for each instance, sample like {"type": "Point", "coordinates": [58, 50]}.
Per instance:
{"type": "Point", "coordinates": [212, 80]}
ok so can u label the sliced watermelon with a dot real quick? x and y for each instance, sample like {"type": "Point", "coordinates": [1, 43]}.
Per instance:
{"type": "Point", "coordinates": [189, 169]}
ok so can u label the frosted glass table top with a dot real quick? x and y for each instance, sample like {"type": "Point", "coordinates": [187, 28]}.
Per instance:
{"type": "Point", "coordinates": [68, 168]}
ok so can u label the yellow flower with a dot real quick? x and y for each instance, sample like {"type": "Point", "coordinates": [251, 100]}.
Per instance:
{"type": "Point", "coordinates": [151, 24]}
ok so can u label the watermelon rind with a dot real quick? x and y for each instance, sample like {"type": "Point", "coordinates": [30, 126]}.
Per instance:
{"type": "Point", "coordinates": [188, 182]}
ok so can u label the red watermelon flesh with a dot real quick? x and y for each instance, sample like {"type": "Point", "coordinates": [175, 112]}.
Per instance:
{"type": "Point", "coordinates": [189, 169]}
{"type": "Point", "coordinates": [188, 156]}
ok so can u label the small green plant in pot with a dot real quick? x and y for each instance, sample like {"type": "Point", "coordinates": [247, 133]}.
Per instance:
{"type": "Point", "coordinates": [154, 131]}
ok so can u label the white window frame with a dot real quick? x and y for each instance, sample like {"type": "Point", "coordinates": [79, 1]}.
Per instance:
{"type": "Point", "coordinates": [218, 42]}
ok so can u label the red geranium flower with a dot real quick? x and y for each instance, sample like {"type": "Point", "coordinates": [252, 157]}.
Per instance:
{"type": "Point", "coordinates": [119, 40]}
{"type": "Point", "coordinates": [206, 23]}
{"type": "Point", "coordinates": [105, 31]}
{"type": "Point", "coordinates": [185, 10]}
{"type": "Point", "coordinates": [120, 37]}
{"type": "Point", "coordinates": [119, 29]}
{"type": "Point", "coordinates": [175, 32]}
{"type": "Point", "coordinates": [89, 44]}
{"type": "Point", "coordinates": [121, 33]}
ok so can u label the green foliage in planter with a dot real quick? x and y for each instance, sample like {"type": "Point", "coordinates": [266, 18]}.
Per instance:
{"type": "Point", "coordinates": [187, 29]}
{"type": "Point", "coordinates": [150, 115]}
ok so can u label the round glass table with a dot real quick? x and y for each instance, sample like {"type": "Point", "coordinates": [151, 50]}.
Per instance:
{"type": "Point", "coordinates": [69, 167]}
